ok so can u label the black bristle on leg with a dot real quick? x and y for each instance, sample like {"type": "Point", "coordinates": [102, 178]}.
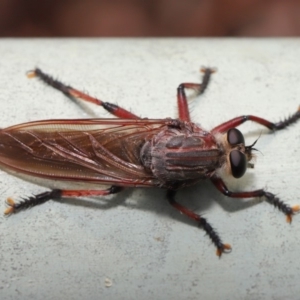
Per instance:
{"type": "Point", "coordinates": [31, 201]}
{"type": "Point", "coordinates": [206, 78]}
{"type": "Point", "coordinates": [288, 121]}
{"type": "Point", "coordinates": [288, 210]}
{"type": "Point", "coordinates": [214, 236]}
{"type": "Point", "coordinates": [49, 80]}
{"type": "Point", "coordinates": [272, 199]}
{"type": "Point", "coordinates": [221, 248]}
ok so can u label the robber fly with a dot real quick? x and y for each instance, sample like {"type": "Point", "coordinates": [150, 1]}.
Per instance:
{"type": "Point", "coordinates": [128, 151]}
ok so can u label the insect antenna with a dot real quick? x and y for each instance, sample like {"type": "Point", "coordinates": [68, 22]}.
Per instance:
{"type": "Point", "coordinates": [250, 148]}
{"type": "Point", "coordinates": [248, 151]}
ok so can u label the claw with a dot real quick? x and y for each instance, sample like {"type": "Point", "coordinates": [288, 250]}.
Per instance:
{"type": "Point", "coordinates": [11, 206]}
{"type": "Point", "coordinates": [226, 248]}
{"type": "Point", "coordinates": [204, 69]}
{"type": "Point", "coordinates": [31, 74]}
{"type": "Point", "coordinates": [295, 209]}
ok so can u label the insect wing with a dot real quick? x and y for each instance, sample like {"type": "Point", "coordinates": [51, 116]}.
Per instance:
{"type": "Point", "coordinates": [105, 151]}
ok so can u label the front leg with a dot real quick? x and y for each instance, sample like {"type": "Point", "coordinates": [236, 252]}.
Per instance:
{"type": "Point", "coordinates": [289, 211]}
{"type": "Point", "coordinates": [221, 248]}
{"type": "Point", "coordinates": [272, 126]}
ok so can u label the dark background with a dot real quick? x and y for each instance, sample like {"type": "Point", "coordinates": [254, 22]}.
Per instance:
{"type": "Point", "coordinates": [146, 18]}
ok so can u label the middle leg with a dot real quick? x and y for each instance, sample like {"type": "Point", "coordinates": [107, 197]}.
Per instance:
{"type": "Point", "coordinates": [221, 248]}
{"type": "Point", "coordinates": [183, 109]}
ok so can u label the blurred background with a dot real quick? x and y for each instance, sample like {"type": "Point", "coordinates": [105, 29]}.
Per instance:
{"type": "Point", "coordinates": [146, 18]}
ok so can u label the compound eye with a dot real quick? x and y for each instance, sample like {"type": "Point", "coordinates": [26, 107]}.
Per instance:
{"type": "Point", "coordinates": [238, 163]}
{"type": "Point", "coordinates": [234, 137]}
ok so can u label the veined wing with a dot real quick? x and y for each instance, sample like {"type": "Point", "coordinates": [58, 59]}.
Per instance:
{"type": "Point", "coordinates": [105, 151]}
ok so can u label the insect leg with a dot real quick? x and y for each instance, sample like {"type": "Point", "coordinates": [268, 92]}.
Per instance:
{"type": "Point", "coordinates": [71, 92]}
{"type": "Point", "coordinates": [13, 206]}
{"type": "Point", "coordinates": [273, 126]}
{"type": "Point", "coordinates": [289, 211]}
{"type": "Point", "coordinates": [183, 109]}
{"type": "Point", "coordinates": [221, 248]}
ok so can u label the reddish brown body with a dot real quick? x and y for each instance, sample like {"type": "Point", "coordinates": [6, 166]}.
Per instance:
{"type": "Point", "coordinates": [165, 153]}
{"type": "Point", "coordinates": [133, 152]}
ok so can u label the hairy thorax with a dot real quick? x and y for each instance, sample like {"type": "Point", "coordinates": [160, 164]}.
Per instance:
{"type": "Point", "coordinates": [181, 155]}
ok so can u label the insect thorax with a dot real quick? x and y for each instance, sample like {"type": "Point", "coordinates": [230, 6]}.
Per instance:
{"type": "Point", "coordinates": [181, 156]}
